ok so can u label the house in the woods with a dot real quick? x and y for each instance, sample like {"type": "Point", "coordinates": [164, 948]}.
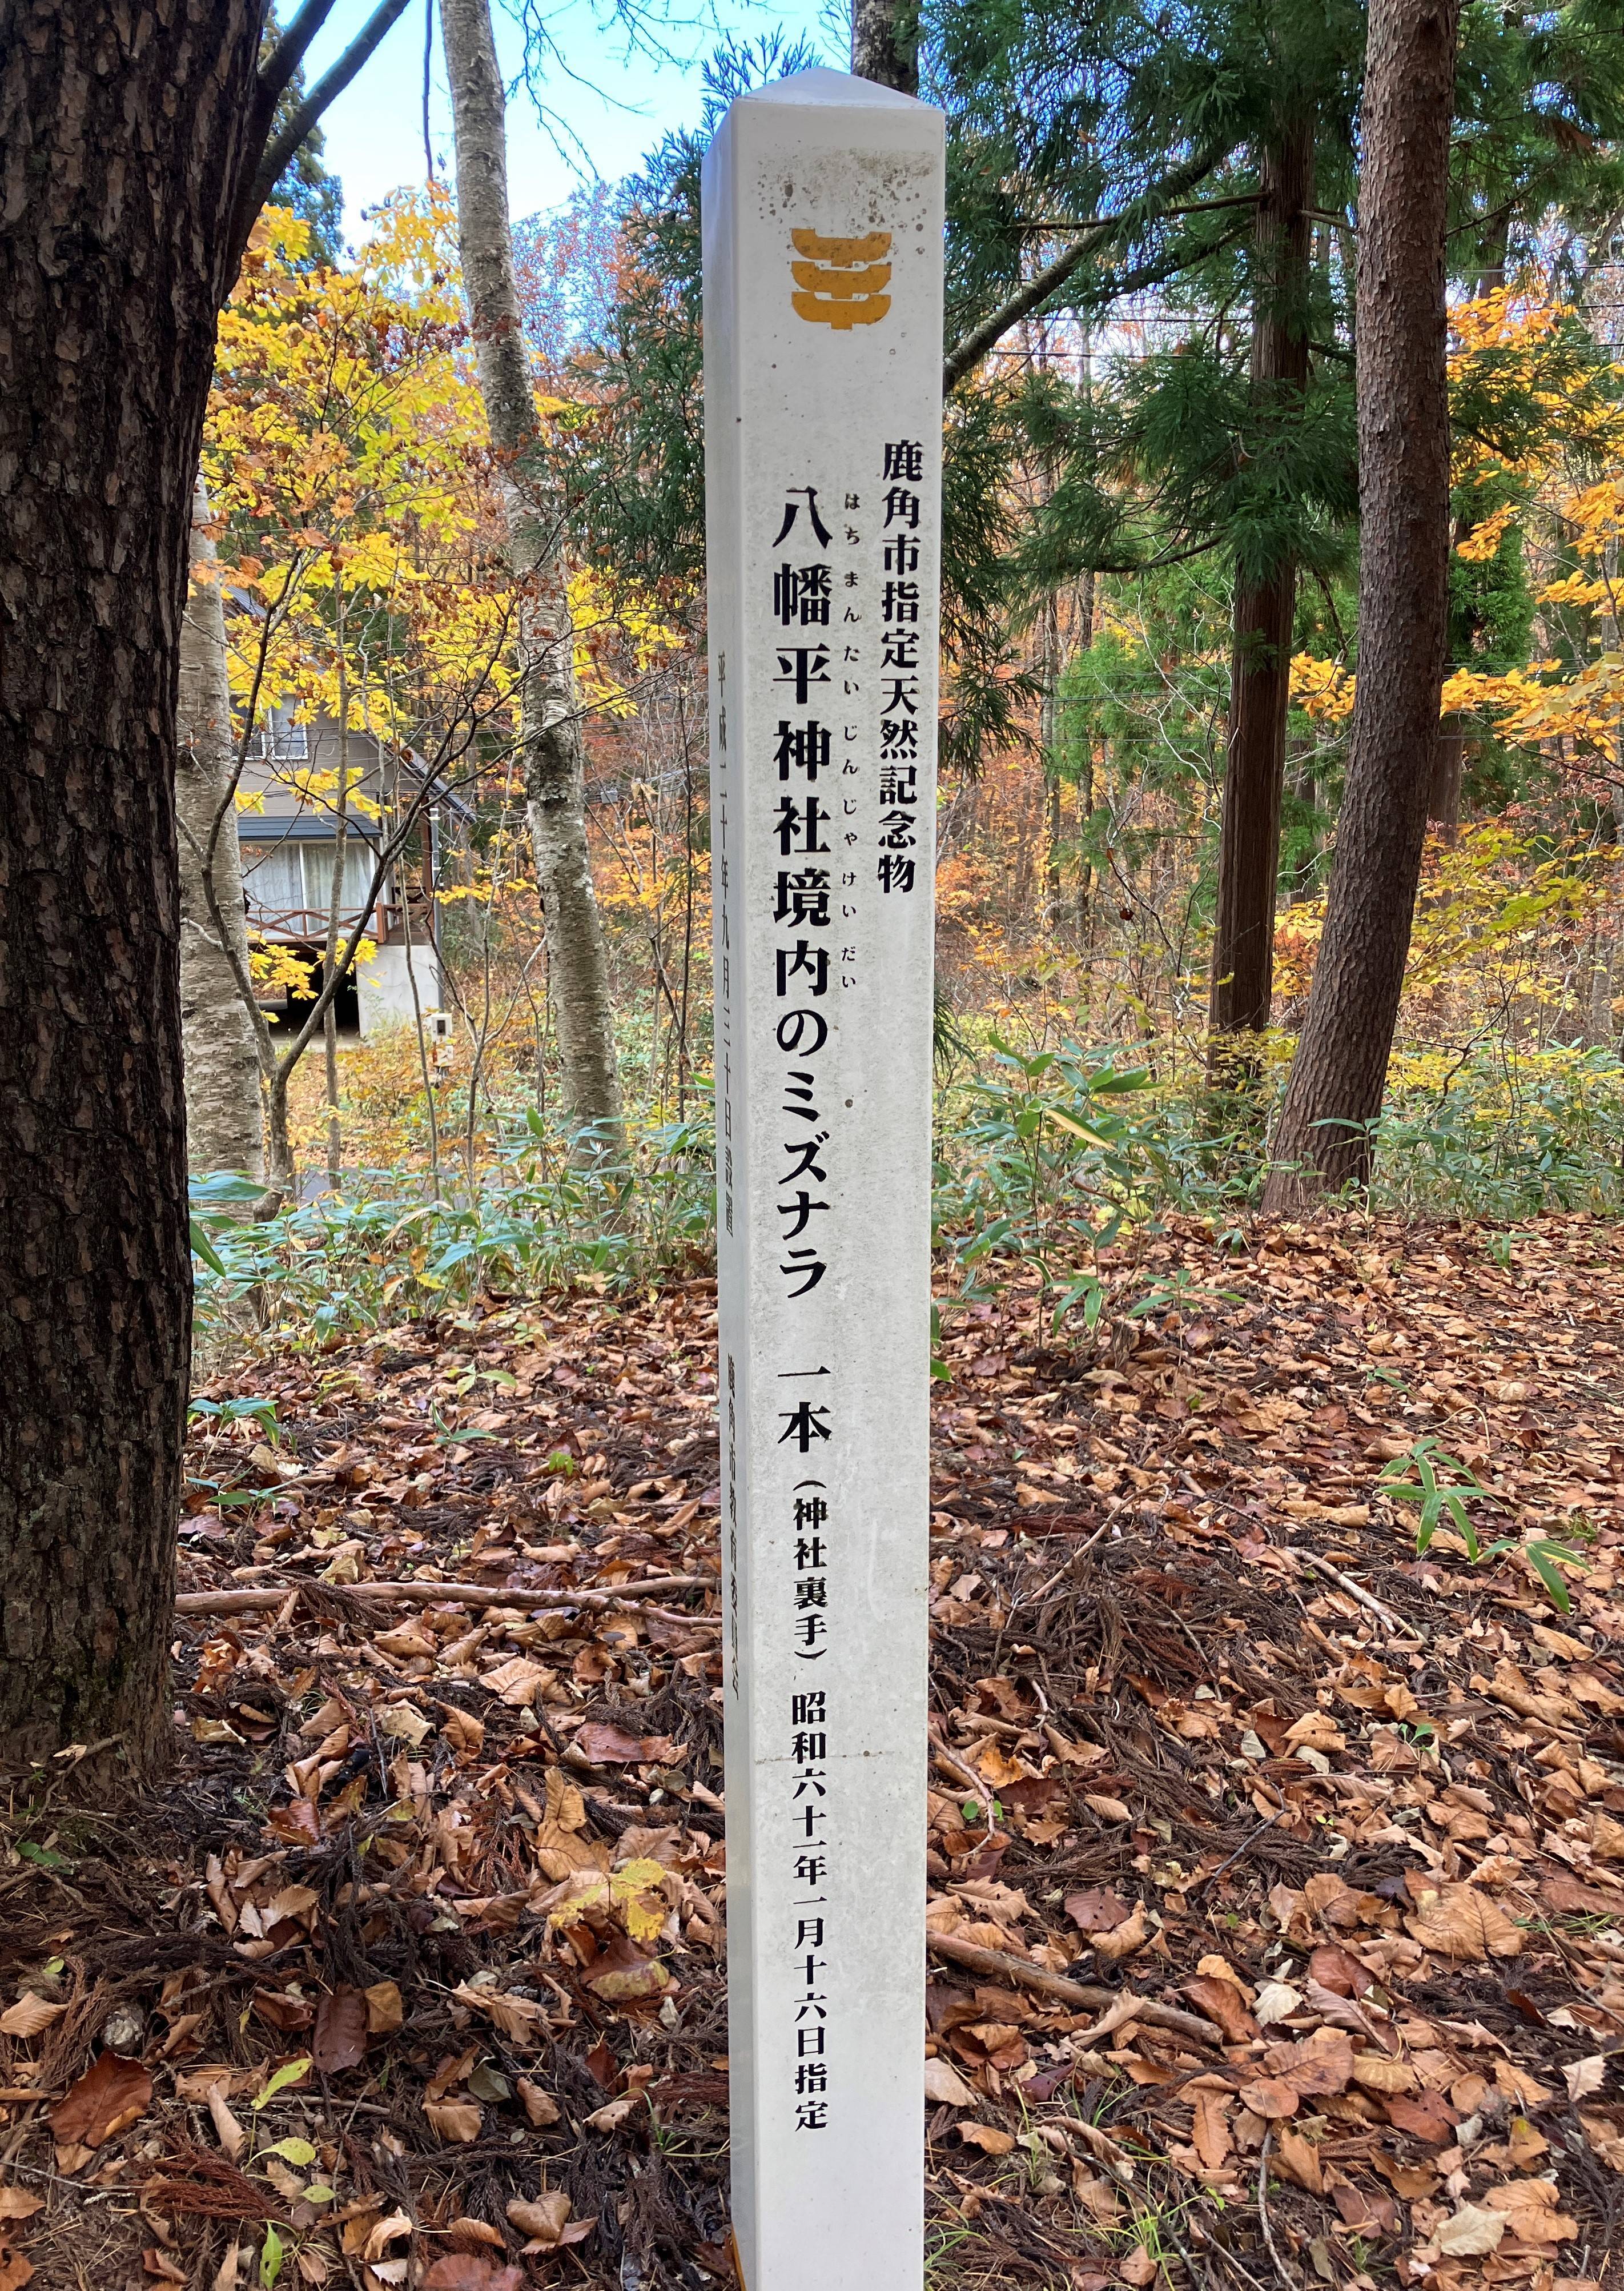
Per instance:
{"type": "Point", "coordinates": [288, 834]}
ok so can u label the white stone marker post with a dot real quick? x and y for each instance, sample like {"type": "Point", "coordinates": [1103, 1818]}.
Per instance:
{"type": "Point", "coordinates": [823, 270]}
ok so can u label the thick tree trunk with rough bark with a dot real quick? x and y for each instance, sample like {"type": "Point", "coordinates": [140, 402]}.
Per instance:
{"type": "Point", "coordinates": [1338, 1077]}
{"type": "Point", "coordinates": [549, 708]}
{"type": "Point", "coordinates": [885, 43]}
{"type": "Point", "coordinates": [225, 1123]}
{"type": "Point", "coordinates": [1260, 669]}
{"type": "Point", "coordinates": [121, 140]}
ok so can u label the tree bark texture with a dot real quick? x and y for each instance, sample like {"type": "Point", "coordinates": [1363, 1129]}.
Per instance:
{"type": "Point", "coordinates": [121, 147]}
{"type": "Point", "coordinates": [1335, 1091]}
{"type": "Point", "coordinates": [1448, 767]}
{"type": "Point", "coordinates": [225, 1122]}
{"type": "Point", "coordinates": [885, 43]}
{"type": "Point", "coordinates": [549, 704]}
{"type": "Point", "coordinates": [1260, 667]}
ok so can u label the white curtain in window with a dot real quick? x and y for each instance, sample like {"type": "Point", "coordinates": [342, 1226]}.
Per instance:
{"type": "Point", "coordinates": [272, 879]}
{"type": "Point", "coordinates": [359, 861]}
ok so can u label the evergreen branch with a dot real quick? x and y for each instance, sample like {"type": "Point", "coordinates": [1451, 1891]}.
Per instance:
{"type": "Point", "coordinates": [1103, 222]}
{"type": "Point", "coordinates": [973, 348]}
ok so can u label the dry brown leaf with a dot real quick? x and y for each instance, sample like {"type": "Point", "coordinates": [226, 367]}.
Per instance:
{"type": "Point", "coordinates": [547, 2222]}
{"type": "Point", "coordinates": [109, 2097]}
{"type": "Point", "coordinates": [1269, 2097]}
{"type": "Point", "coordinates": [385, 2011]}
{"type": "Point", "coordinates": [1123, 1940]}
{"type": "Point", "coordinates": [944, 2086]}
{"type": "Point", "coordinates": [1585, 2076]}
{"type": "Point", "coordinates": [1222, 2002]}
{"type": "Point", "coordinates": [1526, 2091]}
{"type": "Point", "coordinates": [463, 1733]}
{"type": "Point", "coordinates": [518, 1681]}
{"type": "Point", "coordinates": [30, 2014]}
{"type": "Point", "coordinates": [1097, 2197]}
{"type": "Point", "coordinates": [988, 2138]}
{"type": "Point", "coordinates": [1095, 1910]}
{"type": "Point", "coordinates": [456, 2121]}
{"type": "Point", "coordinates": [464, 2270]}
{"type": "Point", "coordinates": [1298, 2159]}
{"type": "Point", "coordinates": [339, 2039]}
{"type": "Point", "coordinates": [1378, 2073]}
{"type": "Point", "coordinates": [17, 2204]}
{"type": "Point", "coordinates": [1460, 1922]}
{"type": "Point", "coordinates": [228, 2131]}
{"type": "Point", "coordinates": [1211, 2132]}
{"type": "Point", "coordinates": [1471, 2233]}
{"type": "Point", "coordinates": [1276, 2001]}
{"type": "Point", "coordinates": [609, 1746]}
{"type": "Point", "coordinates": [540, 2107]}
{"type": "Point", "coordinates": [613, 2114]}
{"type": "Point", "coordinates": [1531, 2206]}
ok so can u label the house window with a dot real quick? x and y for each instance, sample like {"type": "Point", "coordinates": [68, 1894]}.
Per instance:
{"type": "Point", "coordinates": [281, 740]}
{"type": "Point", "coordinates": [273, 881]}
{"type": "Point", "coordinates": [359, 861]}
{"type": "Point", "coordinates": [289, 885]}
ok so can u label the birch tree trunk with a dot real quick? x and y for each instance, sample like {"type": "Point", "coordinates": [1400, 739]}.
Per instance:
{"type": "Point", "coordinates": [225, 1124]}
{"type": "Point", "coordinates": [549, 726]}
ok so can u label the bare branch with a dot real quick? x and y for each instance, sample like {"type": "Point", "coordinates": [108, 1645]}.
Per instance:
{"type": "Point", "coordinates": [289, 53]}
{"type": "Point", "coordinates": [282, 148]}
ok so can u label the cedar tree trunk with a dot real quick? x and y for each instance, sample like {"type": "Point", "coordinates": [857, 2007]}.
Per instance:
{"type": "Point", "coordinates": [577, 963]}
{"type": "Point", "coordinates": [885, 43]}
{"type": "Point", "coordinates": [225, 1122]}
{"type": "Point", "coordinates": [1260, 669]}
{"type": "Point", "coordinates": [122, 149]}
{"type": "Point", "coordinates": [1335, 1091]}
{"type": "Point", "coordinates": [1448, 765]}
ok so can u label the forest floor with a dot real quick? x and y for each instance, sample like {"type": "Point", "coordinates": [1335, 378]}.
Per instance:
{"type": "Point", "coordinates": [1293, 1952]}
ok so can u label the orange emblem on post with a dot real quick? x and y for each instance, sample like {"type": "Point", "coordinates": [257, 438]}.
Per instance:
{"type": "Point", "coordinates": [841, 283]}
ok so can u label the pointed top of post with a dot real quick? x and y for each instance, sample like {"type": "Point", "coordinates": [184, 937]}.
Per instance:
{"type": "Point", "coordinates": [822, 86]}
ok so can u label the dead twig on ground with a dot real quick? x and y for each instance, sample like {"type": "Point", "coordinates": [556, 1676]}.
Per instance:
{"type": "Point", "coordinates": [1085, 1999]}
{"type": "Point", "coordinates": [254, 1597]}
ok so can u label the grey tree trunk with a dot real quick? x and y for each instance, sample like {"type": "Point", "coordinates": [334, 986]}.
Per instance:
{"type": "Point", "coordinates": [885, 43]}
{"type": "Point", "coordinates": [225, 1125]}
{"type": "Point", "coordinates": [549, 727]}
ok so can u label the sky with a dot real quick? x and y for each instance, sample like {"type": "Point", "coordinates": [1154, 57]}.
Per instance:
{"type": "Point", "coordinates": [611, 106]}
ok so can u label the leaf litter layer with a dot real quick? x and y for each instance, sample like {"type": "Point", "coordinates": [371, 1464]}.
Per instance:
{"type": "Point", "coordinates": [1276, 1906]}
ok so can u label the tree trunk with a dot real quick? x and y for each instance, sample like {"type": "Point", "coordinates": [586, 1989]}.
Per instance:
{"type": "Point", "coordinates": [123, 143]}
{"type": "Point", "coordinates": [549, 710]}
{"type": "Point", "coordinates": [1444, 788]}
{"type": "Point", "coordinates": [885, 43]}
{"type": "Point", "coordinates": [225, 1124]}
{"type": "Point", "coordinates": [1338, 1078]}
{"type": "Point", "coordinates": [335, 902]}
{"type": "Point", "coordinates": [1260, 670]}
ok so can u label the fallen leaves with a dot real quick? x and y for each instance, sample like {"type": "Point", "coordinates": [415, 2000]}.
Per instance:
{"type": "Point", "coordinates": [111, 2094]}
{"type": "Point", "coordinates": [342, 2019]}
{"type": "Point", "coordinates": [547, 2222]}
{"type": "Point", "coordinates": [1462, 1923]}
